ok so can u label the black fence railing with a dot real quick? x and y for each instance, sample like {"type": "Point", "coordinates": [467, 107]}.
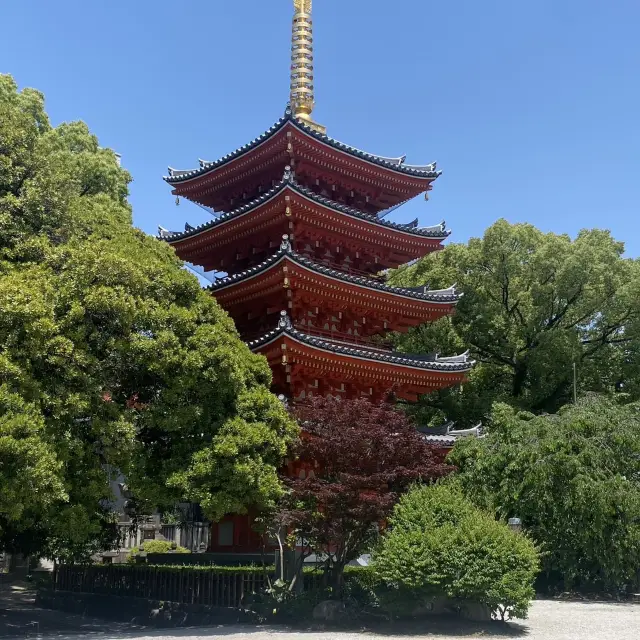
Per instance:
{"type": "Point", "coordinates": [184, 585]}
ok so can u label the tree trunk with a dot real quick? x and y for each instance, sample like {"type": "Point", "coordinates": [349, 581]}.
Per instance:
{"type": "Point", "coordinates": [519, 378]}
{"type": "Point", "coordinates": [337, 580]}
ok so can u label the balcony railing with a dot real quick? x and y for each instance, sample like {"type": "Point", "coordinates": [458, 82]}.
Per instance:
{"type": "Point", "coordinates": [373, 343]}
{"type": "Point", "coordinates": [347, 268]}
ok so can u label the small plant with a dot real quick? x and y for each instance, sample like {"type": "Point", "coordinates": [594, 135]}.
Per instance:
{"type": "Point", "coordinates": [157, 546]}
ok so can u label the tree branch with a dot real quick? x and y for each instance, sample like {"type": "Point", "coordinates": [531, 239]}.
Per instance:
{"type": "Point", "coordinates": [607, 331]}
{"type": "Point", "coordinates": [553, 321]}
{"type": "Point", "coordinates": [493, 354]}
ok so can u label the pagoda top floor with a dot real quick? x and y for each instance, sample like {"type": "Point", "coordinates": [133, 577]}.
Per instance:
{"type": "Point", "coordinates": [330, 168]}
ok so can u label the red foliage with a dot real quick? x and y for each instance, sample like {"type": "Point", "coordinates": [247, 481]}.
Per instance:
{"type": "Point", "coordinates": [363, 456]}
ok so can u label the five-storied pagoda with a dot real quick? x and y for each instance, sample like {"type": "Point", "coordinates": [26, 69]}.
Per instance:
{"type": "Point", "coordinates": [300, 228]}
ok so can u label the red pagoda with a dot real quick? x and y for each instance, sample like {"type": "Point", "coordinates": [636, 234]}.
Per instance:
{"type": "Point", "coordinates": [300, 229]}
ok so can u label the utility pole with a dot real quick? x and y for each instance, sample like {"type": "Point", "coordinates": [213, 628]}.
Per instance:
{"type": "Point", "coordinates": [575, 385]}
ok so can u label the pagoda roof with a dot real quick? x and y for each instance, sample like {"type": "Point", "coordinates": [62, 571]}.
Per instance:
{"type": "Point", "coordinates": [453, 364]}
{"type": "Point", "coordinates": [438, 231]}
{"type": "Point", "coordinates": [394, 164]}
{"type": "Point", "coordinates": [446, 436]}
{"type": "Point", "coordinates": [443, 296]}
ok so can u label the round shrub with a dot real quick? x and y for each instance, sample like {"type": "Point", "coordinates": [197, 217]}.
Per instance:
{"type": "Point", "coordinates": [440, 545]}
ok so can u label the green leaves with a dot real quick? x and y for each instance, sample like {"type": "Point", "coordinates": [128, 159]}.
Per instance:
{"type": "Point", "coordinates": [156, 546]}
{"type": "Point", "coordinates": [127, 365]}
{"type": "Point", "coordinates": [29, 468]}
{"type": "Point", "coordinates": [533, 305]}
{"type": "Point", "coordinates": [573, 478]}
{"type": "Point", "coordinates": [239, 467]}
{"type": "Point", "coordinates": [439, 544]}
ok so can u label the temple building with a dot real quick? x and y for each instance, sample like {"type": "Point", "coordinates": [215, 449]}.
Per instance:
{"type": "Point", "coordinates": [299, 229]}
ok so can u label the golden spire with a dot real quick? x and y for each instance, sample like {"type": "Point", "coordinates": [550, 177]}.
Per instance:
{"type": "Point", "coordinates": [302, 98]}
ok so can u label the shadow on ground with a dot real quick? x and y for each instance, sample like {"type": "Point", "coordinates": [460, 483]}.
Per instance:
{"type": "Point", "coordinates": [431, 630]}
{"type": "Point", "coordinates": [435, 626]}
{"type": "Point", "coordinates": [20, 618]}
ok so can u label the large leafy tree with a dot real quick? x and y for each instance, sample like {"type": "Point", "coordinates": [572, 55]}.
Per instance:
{"type": "Point", "coordinates": [534, 304]}
{"type": "Point", "coordinates": [357, 459]}
{"type": "Point", "coordinates": [112, 359]}
{"type": "Point", "coordinates": [574, 480]}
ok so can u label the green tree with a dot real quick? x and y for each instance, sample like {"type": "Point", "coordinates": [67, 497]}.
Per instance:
{"type": "Point", "coordinates": [574, 480]}
{"type": "Point", "coordinates": [533, 305]}
{"type": "Point", "coordinates": [29, 471]}
{"type": "Point", "coordinates": [440, 544]}
{"type": "Point", "coordinates": [112, 358]}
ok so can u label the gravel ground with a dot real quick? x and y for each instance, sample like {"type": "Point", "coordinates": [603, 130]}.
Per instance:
{"type": "Point", "coordinates": [548, 620]}
{"type": "Point", "coordinates": [20, 618]}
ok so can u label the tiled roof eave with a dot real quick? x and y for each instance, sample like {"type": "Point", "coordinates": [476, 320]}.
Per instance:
{"type": "Point", "coordinates": [442, 441]}
{"type": "Point", "coordinates": [343, 208]}
{"type": "Point", "coordinates": [206, 167]}
{"type": "Point", "coordinates": [409, 170]}
{"type": "Point", "coordinates": [226, 217]}
{"type": "Point", "coordinates": [322, 270]}
{"type": "Point", "coordinates": [310, 195]}
{"type": "Point", "coordinates": [361, 354]}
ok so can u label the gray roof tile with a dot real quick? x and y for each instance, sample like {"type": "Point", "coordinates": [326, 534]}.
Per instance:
{"type": "Point", "coordinates": [395, 164]}
{"type": "Point", "coordinates": [449, 295]}
{"type": "Point", "coordinates": [438, 231]}
{"type": "Point", "coordinates": [433, 363]}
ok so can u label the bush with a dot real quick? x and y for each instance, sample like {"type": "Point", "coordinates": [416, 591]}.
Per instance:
{"type": "Point", "coordinates": [361, 589]}
{"type": "Point", "coordinates": [157, 546]}
{"type": "Point", "coordinates": [574, 481]}
{"type": "Point", "coordinates": [282, 602]}
{"type": "Point", "coordinates": [440, 544]}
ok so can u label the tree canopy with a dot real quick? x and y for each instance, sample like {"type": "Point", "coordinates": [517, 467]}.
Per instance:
{"type": "Point", "coordinates": [573, 478]}
{"type": "Point", "coordinates": [533, 305]}
{"type": "Point", "coordinates": [112, 358]}
{"type": "Point", "coordinates": [358, 458]}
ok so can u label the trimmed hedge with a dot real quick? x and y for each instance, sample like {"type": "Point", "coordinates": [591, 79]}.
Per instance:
{"type": "Point", "coordinates": [157, 546]}
{"type": "Point", "coordinates": [269, 569]}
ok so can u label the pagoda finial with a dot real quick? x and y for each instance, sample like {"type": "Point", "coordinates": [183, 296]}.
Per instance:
{"type": "Point", "coordinates": [302, 97]}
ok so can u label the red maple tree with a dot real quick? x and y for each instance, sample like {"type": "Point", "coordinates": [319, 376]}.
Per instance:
{"type": "Point", "coordinates": [356, 459]}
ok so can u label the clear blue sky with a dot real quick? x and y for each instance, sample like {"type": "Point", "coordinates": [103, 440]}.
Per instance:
{"type": "Point", "coordinates": [532, 109]}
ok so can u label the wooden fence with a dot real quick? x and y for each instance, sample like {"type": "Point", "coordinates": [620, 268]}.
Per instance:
{"type": "Point", "coordinates": [185, 586]}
